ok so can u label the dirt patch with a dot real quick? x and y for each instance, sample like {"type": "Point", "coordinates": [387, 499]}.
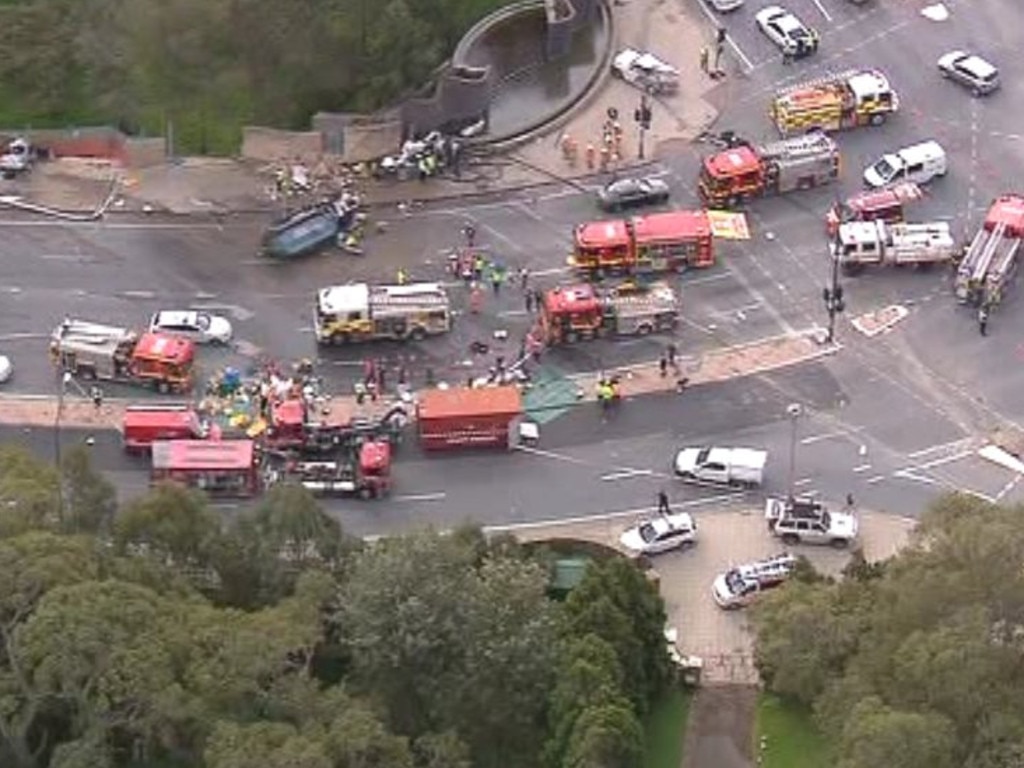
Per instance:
{"type": "Point", "coordinates": [720, 728]}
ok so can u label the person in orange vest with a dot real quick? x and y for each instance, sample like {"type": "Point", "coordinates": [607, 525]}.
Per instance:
{"type": "Point", "coordinates": [591, 156]}
{"type": "Point", "coordinates": [476, 299]}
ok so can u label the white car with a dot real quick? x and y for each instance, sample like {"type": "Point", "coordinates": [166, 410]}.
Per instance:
{"type": "Point", "coordinates": [201, 327]}
{"type": "Point", "coordinates": [724, 6]}
{"type": "Point", "coordinates": [660, 534]}
{"type": "Point", "coordinates": [721, 466]}
{"type": "Point", "coordinates": [806, 521]}
{"type": "Point", "coordinates": [971, 70]}
{"type": "Point", "coordinates": [783, 28]}
{"type": "Point", "coordinates": [6, 368]}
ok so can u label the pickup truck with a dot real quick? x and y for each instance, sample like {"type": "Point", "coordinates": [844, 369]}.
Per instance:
{"type": "Point", "coordinates": [721, 466]}
{"type": "Point", "coordinates": [806, 521]}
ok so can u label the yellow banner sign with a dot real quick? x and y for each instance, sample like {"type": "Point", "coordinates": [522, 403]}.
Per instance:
{"type": "Point", "coordinates": [729, 225]}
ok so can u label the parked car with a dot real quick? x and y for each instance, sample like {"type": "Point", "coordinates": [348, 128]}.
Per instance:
{"type": "Point", "coordinates": [6, 369]}
{"type": "Point", "coordinates": [919, 164]}
{"type": "Point", "coordinates": [721, 466]}
{"type": "Point", "coordinates": [971, 70]}
{"type": "Point", "coordinates": [627, 193]}
{"type": "Point", "coordinates": [806, 521]}
{"type": "Point", "coordinates": [789, 34]}
{"type": "Point", "coordinates": [660, 534]}
{"type": "Point", "coordinates": [739, 586]}
{"type": "Point", "coordinates": [646, 71]}
{"type": "Point", "coordinates": [201, 327]}
{"type": "Point", "coordinates": [724, 6]}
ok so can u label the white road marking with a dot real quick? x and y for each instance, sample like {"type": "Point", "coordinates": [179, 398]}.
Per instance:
{"type": "Point", "coordinates": [944, 460]}
{"type": "Point", "coordinates": [713, 278]}
{"type": "Point", "coordinates": [67, 257]}
{"type": "Point", "coordinates": [626, 474]}
{"type": "Point", "coordinates": [551, 455]}
{"type": "Point", "coordinates": [598, 517]}
{"type": "Point", "coordinates": [65, 224]}
{"type": "Point", "coordinates": [22, 336]}
{"type": "Point", "coordinates": [875, 479]}
{"type": "Point", "coordinates": [512, 313]}
{"type": "Point", "coordinates": [821, 438]}
{"type": "Point", "coordinates": [138, 294]}
{"type": "Point", "coordinates": [802, 482]}
{"type": "Point", "coordinates": [420, 497]}
{"type": "Point", "coordinates": [758, 296]}
{"type": "Point", "coordinates": [861, 468]}
{"type": "Point", "coordinates": [821, 8]}
{"type": "Point", "coordinates": [1008, 487]}
{"type": "Point", "coordinates": [716, 22]}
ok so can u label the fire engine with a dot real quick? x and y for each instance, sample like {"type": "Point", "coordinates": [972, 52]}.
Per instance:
{"type": "Point", "coordinates": [229, 468]}
{"type": "Point", "coordinates": [361, 312]}
{"type": "Point", "coordinates": [365, 471]}
{"type": "Point", "coordinates": [875, 205]}
{"type": "Point", "coordinates": [743, 172]}
{"type": "Point", "coordinates": [834, 103]}
{"type": "Point", "coordinates": [296, 427]}
{"type": "Point", "coordinates": [144, 425]}
{"type": "Point", "coordinates": [95, 351]}
{"type": "Point", "coordinates": [862, 243]}
{"type": "Point", "coordinates": [991, 259]}
{"type": "Point", "coordinates": [574, 312]}
{"type": "Point", "coordinates": [660, 242]}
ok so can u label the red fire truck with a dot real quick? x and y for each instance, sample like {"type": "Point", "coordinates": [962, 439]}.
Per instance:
{"type": "Point", "coordinates": [225, 468]}
{"type": "Point", "coordinates": [659, 242]}
{"type": "Point", "coordinates": [573, 312]}
{"type": "Point", "coordinates": [146, 424]}
{"type": "Point", "coordinates": [364, 471]}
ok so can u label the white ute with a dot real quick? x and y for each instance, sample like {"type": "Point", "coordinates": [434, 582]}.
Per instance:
{"type": "Point", "coordinates": [721, 466]}
{"type": "Point", "coordinates": [660, 534]}
{"type": "Point", "coordinates": [805, 521]}
{"type": "Point", "coordinates": [646, 71]}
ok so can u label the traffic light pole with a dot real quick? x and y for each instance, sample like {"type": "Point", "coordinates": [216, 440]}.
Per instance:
{"type": "Point", "coordinates": [643, 120]}
{"type": "Point", "coordinates": [833, 296]}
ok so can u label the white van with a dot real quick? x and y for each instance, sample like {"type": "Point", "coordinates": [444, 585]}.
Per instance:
{"type": "Point", "coordinates": [919, 164]}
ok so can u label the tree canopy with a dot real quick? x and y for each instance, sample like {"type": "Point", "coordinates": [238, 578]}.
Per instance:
{"type": "Point", "coordinates": [158, 635]}
{"type": "Point", "coordinates": [916, 663]}
{"type": "Point", "coordinates": [211, 66]}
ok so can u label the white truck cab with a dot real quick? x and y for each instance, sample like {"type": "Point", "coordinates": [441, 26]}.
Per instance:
{"type": "Point", "coordinates": [805, 521]}
{"type": "Point", "coordinates": [721, 466]}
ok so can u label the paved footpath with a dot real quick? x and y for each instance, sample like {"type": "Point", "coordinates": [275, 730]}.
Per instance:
{"type": "Point", "coordinates": [714, 366]}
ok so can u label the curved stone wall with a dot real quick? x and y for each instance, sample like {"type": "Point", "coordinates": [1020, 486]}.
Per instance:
{"type": "Point", "coordinates": [495, 55]}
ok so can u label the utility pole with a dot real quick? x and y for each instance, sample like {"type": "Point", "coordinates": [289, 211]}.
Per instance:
{"type": "Point", "coordinates": [794, 411]}
{"type": "Point", "coordinates": [833, 295]}
{"type": "Point", "coordinates": [64, 380]}
{"type": "Point", "coordinates": [642, 116]}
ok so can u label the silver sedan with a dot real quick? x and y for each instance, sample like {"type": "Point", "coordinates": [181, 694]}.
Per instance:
{"type": "Point", "coordinates": [970, 70]}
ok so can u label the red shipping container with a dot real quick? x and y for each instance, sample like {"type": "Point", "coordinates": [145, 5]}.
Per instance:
{"type": "Point", "coordinates": [450, 419]}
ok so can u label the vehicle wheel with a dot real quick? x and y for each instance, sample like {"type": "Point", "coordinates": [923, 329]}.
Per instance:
{"type": "Point", "coordinates": [89, 374]}
{"type": "Point", "coordinates": [851, 270]}
{"type": "Point", "coordinates": [732, 202]}
{"type": "Point", "coordinates": [366, 493]}
{"type": "Point", "coordinates": [163, 387]}
{"type": "Point", "coordinates": [944, 73]}
{"type": "Point", "coordinates": [840, 543]}
{"type": "Point", "coordinates": [975, 92]}
{"type": "Point", "coordinates": [790, 538]}
{"type": "Point", "coordinates": [877, 119]}
{"type": "Point", "coordinates": [342, 339]}
{"type": "Point", "coordinates": [687, 477]}
{"type": "Point", "coordinates": [417, 334]}
{"type": "Point", "coordinates": [644, 329]}
{"type": "Point", "coordinates": [572, 337]}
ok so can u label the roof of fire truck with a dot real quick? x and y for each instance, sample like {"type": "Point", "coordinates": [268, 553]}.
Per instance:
{"type": "Point", "coordinates": [203, 454]}
{"type": "Point", "coordinates": [671, 225]}
{"type": "Point", "coordinates": [374, 455]}
{"type": "Point", "coordinates": [567, 299]}
{"type": "Point", "coordinates": [158, 416]}
{"type": "Point", "coordinates": [1008, 210]}
{"type": "Point", "coordinates": [875, 199]}
{"type": "Point", "coordinates": [161, 346]}
{"type": "Point", "coordinates": [343, 299]}
{"type": "Point", "coordinates": [868, 84]}
{"type": "Point", "coordinates": [602, 234]}
{"type": "Point", "coordinates": [733, 162]}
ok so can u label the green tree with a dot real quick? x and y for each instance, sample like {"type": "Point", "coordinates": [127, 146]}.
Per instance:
{"type": "Point", "coordinates": [609, 736]}
{"type": "Point", "coordinates": [268, 745]}
{"type": "Point", "coordinates": [441, 750]}
{"type": "Point", "coordinates": [90, 499]}
{"type": "Point", "coordinates": [878, 735]}
{"type": "Point", "coordinates": [171, 524]}
{"type": "Point", "coordinates": [29, 492]}
{"type": "Point", "coordinates": [616, 602]}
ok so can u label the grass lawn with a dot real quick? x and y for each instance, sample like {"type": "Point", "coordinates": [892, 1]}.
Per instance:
{"type": "Point", "coordinates": [792, 739]}
{"type": "Point", "coordinates": [666, 726]}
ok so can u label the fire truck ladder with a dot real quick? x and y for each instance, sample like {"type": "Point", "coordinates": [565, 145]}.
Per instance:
{"type": "Point", "coordinates": [426, 300]}
{"type": "Point", "coordinates": [824, 81]}
{"type": "Point", "coordinates": [1003, 265]}
{"type": "Point", "coordinates": [798, 146]}
{"type": "Point", "coordinates": [980, 268]}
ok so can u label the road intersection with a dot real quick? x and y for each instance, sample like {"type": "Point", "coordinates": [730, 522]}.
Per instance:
{"type": "Point", "coordinates": [894, 419]}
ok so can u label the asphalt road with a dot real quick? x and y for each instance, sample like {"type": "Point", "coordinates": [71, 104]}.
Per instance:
{"type": "Point", "coordinates": [892, 419]}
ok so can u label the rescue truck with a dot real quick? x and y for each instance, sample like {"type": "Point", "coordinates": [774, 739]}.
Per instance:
{"type": "Point", "coordinates": [990, 261]}
{"type": "Point", "coordinates": [363, 470]}
{"type": "Point", "coordinates": [739, 586]}
{"type": "Point", "coordinates": [575, 312]}
{"type": "Point", "coordinates": [297, 428]}
{"type": "Point", "coordinates": [226, 468]}
{"type": "Point", "coordinates": [93, 351]}
{"type": "Point", "coordinates": [887, 205]}
{"type": "Point", "coordinates": [740, 173]}
{"type": "Point", "coordinates": [863, 243]}
{"type": "Point", "coordinates": [144, 425]}
{"type": "Point", "coordinates": [659, 242]}
{"type": "Point", "coordinates": [360, 312]}
{"type": "Point", "coordinates": [834, 103]}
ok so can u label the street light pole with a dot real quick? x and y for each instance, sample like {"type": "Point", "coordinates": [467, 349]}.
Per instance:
{"type": "Point", "coordinates": [643, 120]}
{"type": "Point", "coordinates": [65, 379]}
{"type": "Point", "coordinates": [794, 411]}
{"type": "Point", "coordinates": [833, 294]}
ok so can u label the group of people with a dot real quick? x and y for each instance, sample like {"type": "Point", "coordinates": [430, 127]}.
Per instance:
{"type": "Point", "coordinates": [608, 392]}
